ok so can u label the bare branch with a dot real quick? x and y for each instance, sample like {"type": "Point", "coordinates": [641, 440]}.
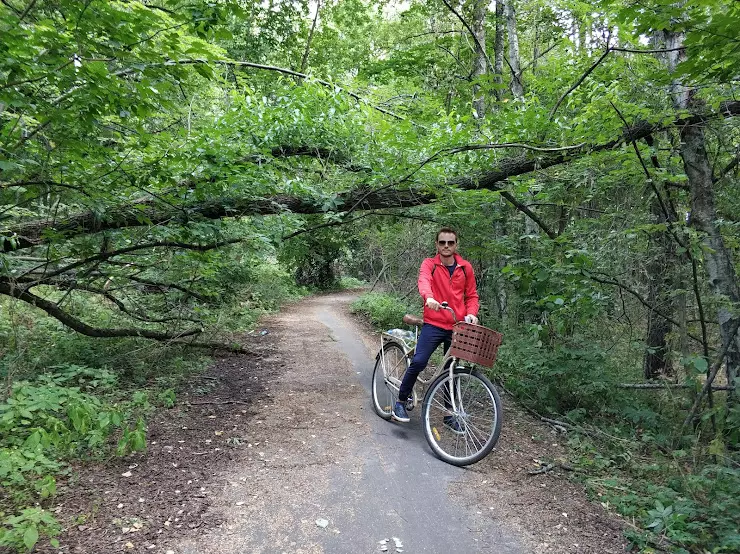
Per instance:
{"type": "Point", "coordinates": [83, 328]}
{"type": "Point", "coordinates": [168, 286]}
{"type": "Point", "coordinates": [712, 374]}
{"type": "Point", "coordinates": [159, 244]}
{"type": "Point", "coordinates": [663, 386]}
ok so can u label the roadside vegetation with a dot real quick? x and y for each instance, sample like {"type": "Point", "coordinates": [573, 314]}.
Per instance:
{"type": "Point", "coordinates": [70, 399]}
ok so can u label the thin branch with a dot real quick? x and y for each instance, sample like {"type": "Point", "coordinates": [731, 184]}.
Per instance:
{"type": "Point", "coordinates": [36, 79]}
{"type": "Point", "coordinates": [44, 183]}
{"type": "Point", "coordinates": [297, 74]}
{"type": "Point", "coordinates": [577, 83]}
{"type": "Point", "coordinates": [154, 35]}
{"type": "Point", "coordinates": [159, 244]}
{"type": "Point", "coordinates": [123, 308]}
{"type": "Point", "coordinates": [610, 281]}
{"type": "Point", "coordinates": [450, 32]}
{"type": "Point", "coordinates": [529, 213]}
{"type": "Point", "coordinates": [27, 10]}
{"type": "Point", "coordinates": [540, 55]}
{"type": "Point", "coordinates": [654, 51]}
{"type": "Point", "coordinates": [168, 286]}
{"type": "Point", "coordinates": [304, 59]}
{"type": "Point", "coordinates": [11, 7]}
{"type": "Point", "coordinates": [728, 168]}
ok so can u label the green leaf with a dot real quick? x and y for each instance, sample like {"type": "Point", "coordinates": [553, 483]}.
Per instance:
{"type": "Point", "coordinates": [31, 536]}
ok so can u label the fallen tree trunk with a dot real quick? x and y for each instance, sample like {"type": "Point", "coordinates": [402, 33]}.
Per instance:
{"type": "Point", "coordinates": [151, 212]}
{"type": "Point", "coordinates": [663, 386]}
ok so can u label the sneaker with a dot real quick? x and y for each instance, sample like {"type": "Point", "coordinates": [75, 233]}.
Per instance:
{"type": "Point", "coordinates": [454, 425]}
{"type": "Point", "coordinates": [399, 413]}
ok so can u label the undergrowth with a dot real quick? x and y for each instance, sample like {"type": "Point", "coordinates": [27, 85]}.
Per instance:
{"type": "Point", "coordinates": [68, 397]}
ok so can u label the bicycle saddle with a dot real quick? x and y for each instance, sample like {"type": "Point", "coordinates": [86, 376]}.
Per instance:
{"type": "Point", "coordinates": [411, 319]}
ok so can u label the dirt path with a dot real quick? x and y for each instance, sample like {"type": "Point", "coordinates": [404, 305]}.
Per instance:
{"type": "Point", "coordinates": [285, 454]}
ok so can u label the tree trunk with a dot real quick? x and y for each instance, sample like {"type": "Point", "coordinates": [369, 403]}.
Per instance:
{"type": "Point", "coordinates": [718, 262]}
{"type": "Point", "coordinates": [304, 59]}
{"type": "Point", "coordinates": [517, 88]}
{"type": "Point", "coordinates": [502, 298]}
{"type": "Point", "coordinates": [498, 50]}
{"type": "Point", "coordinates": [717, 258]}
{"type": "Point", "coordinates": [655, 362]}
{"type": "Point", "coordinates": [479, 60]}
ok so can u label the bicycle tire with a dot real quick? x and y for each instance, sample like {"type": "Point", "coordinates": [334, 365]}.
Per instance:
{"type": "Point", "coordinates": [385, 384]}
{"type": "Point", "coordinates": [478, 418]}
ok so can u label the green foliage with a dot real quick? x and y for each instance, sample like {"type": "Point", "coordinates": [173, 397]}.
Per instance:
{"type": "Point", "coordinates": [22, 532]}
{"type": "Point", "coordinates": [557, 379]}
{"type": "Point", "coordinates": [693, 511]}
{"type": "Point", "coordinates": [126, 112]}
{"type": "Point", "coordinates": [70, 412]}
{"type": "Point", "coordinates": [314, 258]}
{"type": "Point", "coordinates": [351, 283]}
{"type": "Point", "coordinates": [384, 310]}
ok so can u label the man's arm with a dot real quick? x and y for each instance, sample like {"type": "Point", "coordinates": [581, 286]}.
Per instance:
{"type": "Point", "coordinates": [472, 304]}
{"type": "Point", "coordinates": [425, 284]}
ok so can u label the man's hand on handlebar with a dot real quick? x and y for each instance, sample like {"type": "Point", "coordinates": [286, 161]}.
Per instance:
{"type": "Point", "coordinates": [433, 304]}
{"type": "Point", "coordinates": [470, 318]}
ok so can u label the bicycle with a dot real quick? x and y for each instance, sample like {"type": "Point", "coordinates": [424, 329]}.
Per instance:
{"type": "Point", "coordinates": [461, 409]}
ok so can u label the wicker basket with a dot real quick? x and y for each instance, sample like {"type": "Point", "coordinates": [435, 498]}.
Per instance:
{"type": "Point", "coordinates": [475, 343]}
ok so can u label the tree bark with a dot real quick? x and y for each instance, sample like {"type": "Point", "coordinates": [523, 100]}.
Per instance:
{"type": "Point", "coordinates": [718, 260]}
{"type": "Point", "coordinates": [517, 88]}
{"type": "Point", "coordinates": [498, 50]}
{"type": "Point", "coordinates": [723, 281]}
{"type": "Point", "coordinates": [480, 8]}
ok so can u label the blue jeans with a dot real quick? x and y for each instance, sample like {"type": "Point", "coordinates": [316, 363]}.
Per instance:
{"type": "Point", "coordinates": [429, 339]}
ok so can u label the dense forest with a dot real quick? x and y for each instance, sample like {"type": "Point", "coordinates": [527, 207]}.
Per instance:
{"type": "Point", "coordinates": [170, 170]}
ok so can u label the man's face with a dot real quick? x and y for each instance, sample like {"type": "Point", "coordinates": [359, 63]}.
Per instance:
{"type": "Point", "coordinates": [446, 244]}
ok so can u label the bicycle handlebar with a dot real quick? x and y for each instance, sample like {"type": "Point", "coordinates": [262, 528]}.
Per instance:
{"type": "Point", "coordinates": [446, 306]}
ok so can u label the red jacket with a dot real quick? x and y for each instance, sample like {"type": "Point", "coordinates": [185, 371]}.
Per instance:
{"type": "Point", "coordinates": [459, 290]}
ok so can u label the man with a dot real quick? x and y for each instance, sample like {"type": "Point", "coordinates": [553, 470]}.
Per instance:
{"type": "Point", "coordinates": [445, 278]}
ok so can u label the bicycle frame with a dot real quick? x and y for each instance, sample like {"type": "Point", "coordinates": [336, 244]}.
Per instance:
{"type": "Point", "coordinates": [409, 352]}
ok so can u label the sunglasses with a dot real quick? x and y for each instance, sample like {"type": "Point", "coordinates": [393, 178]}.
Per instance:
{"type": "Point", "coordinates": [446, 242]}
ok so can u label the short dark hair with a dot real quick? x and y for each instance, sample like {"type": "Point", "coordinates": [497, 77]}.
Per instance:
{"type": "Point", "coordinates": [446, 230]}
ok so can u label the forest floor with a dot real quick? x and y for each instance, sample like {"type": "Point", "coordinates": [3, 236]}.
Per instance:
{"type": "Point", "coordinates": [281, 451]}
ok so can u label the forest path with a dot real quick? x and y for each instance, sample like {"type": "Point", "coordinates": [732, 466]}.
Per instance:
{"type": "Point", "coordinates": [323, 474]}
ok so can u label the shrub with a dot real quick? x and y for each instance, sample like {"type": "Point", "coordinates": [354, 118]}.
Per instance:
{"type": "Point", "coordinates": [384, 310]}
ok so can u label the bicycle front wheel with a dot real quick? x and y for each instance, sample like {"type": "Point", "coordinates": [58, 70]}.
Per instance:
{"type": "Point", "coordinates": [390, 366]}
{"type": "Point", "coordinates": [464, 431]}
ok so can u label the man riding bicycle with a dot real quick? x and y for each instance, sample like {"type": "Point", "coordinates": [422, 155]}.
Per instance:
{"type": "Point", "coordinates": [447, 277]}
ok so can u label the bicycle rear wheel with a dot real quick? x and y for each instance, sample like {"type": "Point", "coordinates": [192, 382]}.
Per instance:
{"type": "Point", "coordinates": [469, 433]}
{"type": "Point", "coordinates": [387, 380]}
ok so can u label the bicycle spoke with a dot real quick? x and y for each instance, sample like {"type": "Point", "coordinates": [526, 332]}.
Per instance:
{"type": "Point", "coordinates": [444, 409]}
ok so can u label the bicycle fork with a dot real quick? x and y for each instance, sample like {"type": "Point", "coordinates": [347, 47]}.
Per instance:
{"type": "Point", "coordinates": [453, 390]}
